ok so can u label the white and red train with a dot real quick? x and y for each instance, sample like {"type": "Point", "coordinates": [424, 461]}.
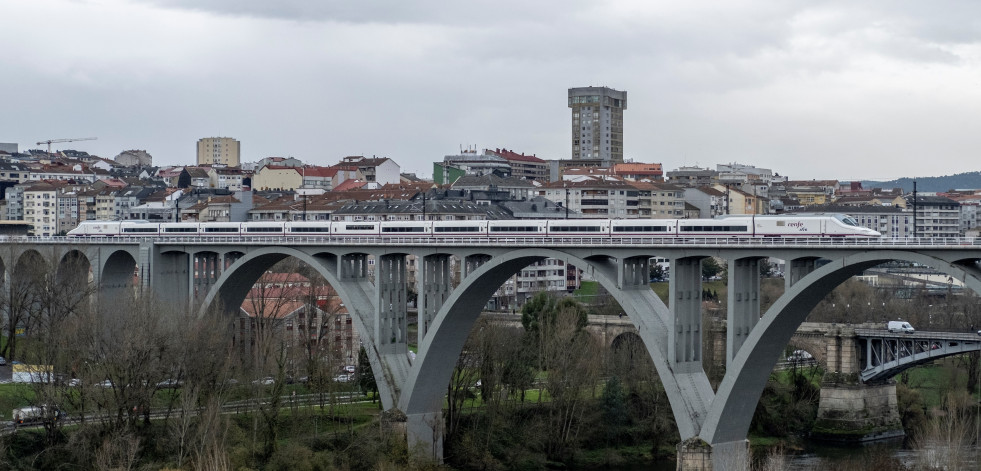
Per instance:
{"type": "Point", "coordinates": [825, 225]}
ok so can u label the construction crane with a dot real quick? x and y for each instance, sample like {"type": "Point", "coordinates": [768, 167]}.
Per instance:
{"type": "Point", "coordinates": [49, 141]}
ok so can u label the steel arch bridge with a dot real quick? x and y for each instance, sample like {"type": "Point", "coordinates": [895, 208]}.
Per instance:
{"type": "Point", "coordinates": [883, 355]}
{"type": "Point", "coordinates": [370, 275]}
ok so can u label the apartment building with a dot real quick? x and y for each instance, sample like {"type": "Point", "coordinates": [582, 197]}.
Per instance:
{"type": "Point", "coordinates": [597, 124]}
{"type": "Point", "coordinates": [219, 151]}
{"type": "Point", "coordinates": [595, 198]}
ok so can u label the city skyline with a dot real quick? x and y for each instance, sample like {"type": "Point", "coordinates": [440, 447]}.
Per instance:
{"type": "Point", "coordinates": [835, 90]}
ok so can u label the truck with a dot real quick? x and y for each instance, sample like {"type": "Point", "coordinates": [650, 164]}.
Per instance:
{"type": "Point", "coordinates": [900, 326]}
{"type": "Point", "coordinates": [35, 414]}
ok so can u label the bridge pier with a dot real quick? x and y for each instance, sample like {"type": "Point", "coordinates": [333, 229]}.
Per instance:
{"type": "Point", "coordinates": [696, 455]}
{"type": "Point", "coordinates": [685, 343]}
{"type": "Point", "coordinates": [849, 410]}
{"type": "Point", "coordinates": [434, 285]}
{"type": "Point", "coordinates": [424, 432]}
{"type": "Point", "coordinates": [744, 302]}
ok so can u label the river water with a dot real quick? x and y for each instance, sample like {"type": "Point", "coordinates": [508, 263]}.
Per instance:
{"type": "Point", "coordinates": [868, 457]}
{"type": "Point", "coordinates": [872, 457]}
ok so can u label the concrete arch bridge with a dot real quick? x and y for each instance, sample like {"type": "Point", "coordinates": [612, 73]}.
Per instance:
{"type": "Point", "coordinates": [370, 275]}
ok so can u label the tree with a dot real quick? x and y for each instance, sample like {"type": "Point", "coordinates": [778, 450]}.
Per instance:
{"type": "Point", "coordinates": [540, 314]}
{"type": "Point", "coordinates": [656, 273]}
{"type": "Point", "coordinates": [614, 406]}
{"type": "Point", "coordinates": [710, 268]}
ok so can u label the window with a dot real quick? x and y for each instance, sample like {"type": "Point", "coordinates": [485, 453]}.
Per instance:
{"type": "Point", "coordinates": [514, 229]}
{"type": "Point", "coordinates": [310, 229]}
{"type": "Point", "coordinates": [221, 229]}
{"type": "Point", "coordinates": [714, 229]}
{"type": "Point", "coordinates": [404, 229]}
{"type": "Point", "coordinates": [139, 229]}
{"type": "Point", "coordinates": [181, 229]}
{"type": "Point", "coordinates": [264, 229]}
{"type": "Point", "coordinates": [574, 228]}
{"type": "Point", "coordinates": [359, 227]}
{"type": "Point", "coordinates": [457, 229]}
{"type": "Point", "coordinates": [640, 229]}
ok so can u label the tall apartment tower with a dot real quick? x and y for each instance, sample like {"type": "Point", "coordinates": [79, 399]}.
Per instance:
{"type": "Point", "coordinates": [219, 151]}
{"type": "Point", "coordinates": [597, 125]}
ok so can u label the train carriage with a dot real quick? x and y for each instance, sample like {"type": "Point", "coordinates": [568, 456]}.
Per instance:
{"type": "Point", "coordinates": [459, 228]}
{"type": "Point", "coordinates": [736, 226]}
{"type": "Point", "coordinates": [301, 228]}
{"type": "Point", "coordinates": [644, 227]}
{"type": "Point", "coordinates": [406, 228]}
{"type": "Point", "coordinates": [262, 228]}
{"type": "Point", "coordinates": [579, 228]}
{"type": "Point", "coordinates": [179, 228]}
{"type": "Point", "coordinates": [139, 228]}
{"type": "Point", "coordinates": [221, 228]}
{"type": "Point", "coordinates": [353, 228]}
{"type": "Point", "coordinates": [516, 228]}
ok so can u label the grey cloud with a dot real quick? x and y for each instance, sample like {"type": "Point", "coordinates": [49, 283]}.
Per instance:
{"type": "Point", "coordinates": [474, 12]}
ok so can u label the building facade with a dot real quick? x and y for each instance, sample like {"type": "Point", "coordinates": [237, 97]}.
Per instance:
{"type": "Point", "coordinates": [219, 151]}
{"type": "Point", "coordinates": [597, 124]}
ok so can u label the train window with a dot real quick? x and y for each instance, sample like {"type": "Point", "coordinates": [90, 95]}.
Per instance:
{"type": "Point", "coordinates": [180, 229]}
{"type": "Point", "coordinates": [404, 229]}
{"type": "Point", "coordinates": [714, 229]}
{"type": "Point", "coordinates": [310, 229]}
{"type": "Point", "coordinates": [140, 229]}
{"type": "Point", "coordinates": [220, 229]}
{"type": "Point", "coordinates": [640, 229]}
{"type": "Point", "coordinates": [264, 229]}
{"type": "Point", "coordinates": [514, 229]}
{"type": "Point", "coordinates": [457, 229]}
{"type": "Point", "coordinates": [359, 227]}
{"type": "Point", "coordinates": [574, 228]}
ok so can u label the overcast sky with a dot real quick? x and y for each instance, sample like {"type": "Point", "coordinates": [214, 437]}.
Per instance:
{"type": "Point", "coordinates": [810, 89]}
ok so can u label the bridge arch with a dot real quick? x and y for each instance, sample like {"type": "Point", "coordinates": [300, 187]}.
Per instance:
{"type": "Point", "coordinates": [234, 284]}
{"type": "Point", "coordinates": [729, 418]}
{"type": "Point", "coordinates": [117, 273]}
{"type": "Point", "coordinates": [425, 386]}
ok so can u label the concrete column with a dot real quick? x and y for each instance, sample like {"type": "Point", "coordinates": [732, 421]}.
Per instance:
{"type": "Point", "coordinates": [144, 266]}
{"type": "Point", "coordinates": [473, 262]}
{"type": "Point", "coordinates": [685, 340]}
{"type": "Point", "coordinates": [696, 455]}
{"type": "Point", "coordinates": [391, 320]}
{"type": "Point", "coordinates": [798, 269]}
{"type": "Point", "coordinates": [425, 435]}
{"type": "Point", "coordinates": [634, 273]}
{"type": "Point", "coordinates": [744, 302]}
{"type": "Point", "coordinates": [170, 278]}
{"type": "Point", "coordinates": [353, 267]}
{"type": "Point", "coordinates": [434, 282]}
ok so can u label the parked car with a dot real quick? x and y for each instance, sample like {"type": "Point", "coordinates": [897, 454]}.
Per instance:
{"type": "Point", "coordinates": [349, 368]}
{"type": "Point", "coordinates": [343, 378]}
{"type": "Point", "coordinates": [800, 356]}
{"type": "Point", "coordinates": [265, 381]}
{"type": "Point", "coordinates": [3, 361]}
{"type": "Point", "coordinates": [169, 383]}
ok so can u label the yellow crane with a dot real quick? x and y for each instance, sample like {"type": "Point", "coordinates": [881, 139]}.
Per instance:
{"type": "Point", "coordinates": [49, 141]}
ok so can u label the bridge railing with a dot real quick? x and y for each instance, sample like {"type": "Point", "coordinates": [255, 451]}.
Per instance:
{"type": "Point", "coordinates": [619, 241]}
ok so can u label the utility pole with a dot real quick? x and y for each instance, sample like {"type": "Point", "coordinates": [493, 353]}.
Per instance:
{"type": "Point", "coordinates": [567, 203]}
{"type": "Point", "coordinates": [914, 210]}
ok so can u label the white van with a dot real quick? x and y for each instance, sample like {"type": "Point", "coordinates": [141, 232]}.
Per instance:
{"type": "Point", "coordinates": [900, 326]}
